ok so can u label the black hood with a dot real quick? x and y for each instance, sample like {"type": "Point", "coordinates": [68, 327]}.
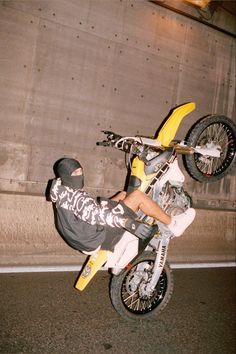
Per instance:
{"type": "Point", "coordinates": [64, 169]}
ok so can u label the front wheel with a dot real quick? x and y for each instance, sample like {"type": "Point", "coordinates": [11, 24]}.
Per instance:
{"type": "Point", "coordinates": [211, 131]}
{"type": "Point", "coordinates": [127, 290]}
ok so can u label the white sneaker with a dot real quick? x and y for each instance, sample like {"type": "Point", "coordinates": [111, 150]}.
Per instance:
{"type": "Point", "coordinates": [179, 223]}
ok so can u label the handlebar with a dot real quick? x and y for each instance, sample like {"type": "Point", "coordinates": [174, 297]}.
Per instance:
{"type": "Point", "coordinates": [140, 146]}
{"type": "Point", "coordinates": [103, 143]}
{"type": "Point", "coordinates": [112, 138]}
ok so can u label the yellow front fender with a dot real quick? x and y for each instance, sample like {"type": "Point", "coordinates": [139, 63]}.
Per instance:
{"type": "Point", "coordinates": [169, 129]}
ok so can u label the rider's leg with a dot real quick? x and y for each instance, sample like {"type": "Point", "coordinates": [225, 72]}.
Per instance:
{"type": "Point", "coordinates": [176, 224]}
{"type": "Point", "coordinates": [139, 200]}
{"type": "Point", "coordinates": [119, 196]}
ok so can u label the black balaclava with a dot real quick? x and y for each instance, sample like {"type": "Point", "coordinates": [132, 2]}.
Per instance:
{"type": "Point", "coordinates": [64, 169]}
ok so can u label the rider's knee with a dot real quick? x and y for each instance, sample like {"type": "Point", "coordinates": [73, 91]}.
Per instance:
{"type": "Point", "coordinates": [137, 194]}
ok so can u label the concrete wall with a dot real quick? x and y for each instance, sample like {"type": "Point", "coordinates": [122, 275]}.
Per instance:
{"type": "Point", "coordinates": [28, 236]}
{"type": "Point", "coordinates": [72, 68]}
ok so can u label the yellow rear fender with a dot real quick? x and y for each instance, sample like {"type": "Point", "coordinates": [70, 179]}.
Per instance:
{"type": "Point", "coordinates": [94, 263]}
{"type": "Point", "coordinates": [169, 129]}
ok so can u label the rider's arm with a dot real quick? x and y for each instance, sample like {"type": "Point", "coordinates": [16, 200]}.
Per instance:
{"type": "Point", "coordinates": [54, 191]}
{"type": "Point", "coordinates": [87, 209]}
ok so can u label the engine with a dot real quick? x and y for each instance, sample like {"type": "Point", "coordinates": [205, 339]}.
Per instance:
{"type": "Point", "coordinates": [173, 199]}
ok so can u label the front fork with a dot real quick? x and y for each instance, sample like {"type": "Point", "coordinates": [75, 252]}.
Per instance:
{"type": "Point", "coordinates": [161, 254]}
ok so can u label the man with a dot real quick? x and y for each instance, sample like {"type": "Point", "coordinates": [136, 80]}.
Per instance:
{"type": "Point", "coordinates": [83, 222]}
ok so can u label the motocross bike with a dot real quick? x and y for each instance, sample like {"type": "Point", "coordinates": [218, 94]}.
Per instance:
{"type": "Point", "coordinates": [142, 280]}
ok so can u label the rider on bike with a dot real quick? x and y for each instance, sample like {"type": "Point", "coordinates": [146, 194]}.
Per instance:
{"type": "Point", "coordinates": [84, 221]}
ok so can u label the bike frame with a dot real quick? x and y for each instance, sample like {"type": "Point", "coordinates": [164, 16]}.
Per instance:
{"type": "Point", "coordinates": [128, 247]}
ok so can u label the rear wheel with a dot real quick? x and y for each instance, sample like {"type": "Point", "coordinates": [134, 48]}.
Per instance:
{"type": "Point", "coordinates": [208, 132]}
{"type": "Point", "coordinates": [127, 290]}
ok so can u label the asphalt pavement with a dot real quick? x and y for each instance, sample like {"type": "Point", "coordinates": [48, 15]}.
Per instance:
{"type": "Point", "coordinates": [43, 313]}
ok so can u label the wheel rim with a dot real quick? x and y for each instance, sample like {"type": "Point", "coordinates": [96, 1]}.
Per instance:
{"type": "Point", "coordinates": [131, 290]}
{"type": "Point", "coordinates": [219, 134]}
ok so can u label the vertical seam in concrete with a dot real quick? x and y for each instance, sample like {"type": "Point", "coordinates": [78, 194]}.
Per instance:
{"type": "Point", "coordinates": [29, 93]}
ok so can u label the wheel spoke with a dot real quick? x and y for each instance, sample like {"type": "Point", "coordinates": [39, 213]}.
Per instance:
{"type": "Point", "coordinates": [137, 305]}
{"type": "Point", "coordinates": [130, 296]}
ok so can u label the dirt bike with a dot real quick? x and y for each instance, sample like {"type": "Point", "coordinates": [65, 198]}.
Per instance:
{"type": "Point", "coordinates": [142, 280]}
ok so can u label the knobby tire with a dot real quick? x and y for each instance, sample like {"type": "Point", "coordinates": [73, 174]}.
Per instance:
{"type": "Point", "coordinates": [147, 308]}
